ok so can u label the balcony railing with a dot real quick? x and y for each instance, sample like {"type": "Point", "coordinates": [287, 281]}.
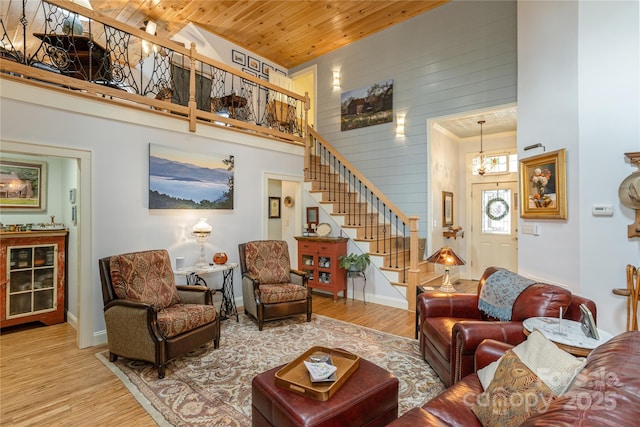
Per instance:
{"type": "Point", "coordinates": [59, 43]}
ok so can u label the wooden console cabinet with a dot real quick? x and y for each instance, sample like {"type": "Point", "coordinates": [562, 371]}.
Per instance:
{"type": "Point", "coordinates": [318, 256]}
{"type": "Point", "coordinates": [32, 277]}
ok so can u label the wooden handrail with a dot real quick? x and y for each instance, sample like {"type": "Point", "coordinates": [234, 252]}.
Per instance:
{"type": "Point", "coordinates": [192, 62]}
{"type": "Point", "coordinates": [413, 277]}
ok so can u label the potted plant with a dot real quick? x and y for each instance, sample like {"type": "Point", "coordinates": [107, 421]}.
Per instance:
{"type": "Point", "coordinates": [354, 262]}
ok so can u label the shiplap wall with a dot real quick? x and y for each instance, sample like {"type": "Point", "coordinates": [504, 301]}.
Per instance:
{"type": "Point", "coordinates": [455, 58]}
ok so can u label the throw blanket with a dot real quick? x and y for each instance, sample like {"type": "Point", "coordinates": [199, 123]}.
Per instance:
{"type": "Point", "coordinates": [500, 292]}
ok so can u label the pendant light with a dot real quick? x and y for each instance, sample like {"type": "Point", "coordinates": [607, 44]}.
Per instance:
{"type": "Point", "coordinates": [483, 164]}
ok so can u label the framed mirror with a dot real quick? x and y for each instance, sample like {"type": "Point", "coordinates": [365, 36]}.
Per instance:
{"type": "Point", "coordinates": [312, 218]}
{"type": "Point", "coordinates": [447, 209]}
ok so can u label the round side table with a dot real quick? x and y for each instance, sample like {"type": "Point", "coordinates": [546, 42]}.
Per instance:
{"type": "Point", "coordinates": [568, 337]}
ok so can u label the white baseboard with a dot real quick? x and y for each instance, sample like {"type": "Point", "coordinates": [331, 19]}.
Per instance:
{"type": "Point", "coordinates": [72, 321]}
{"type": "Point", "coordinates": [100, 337]}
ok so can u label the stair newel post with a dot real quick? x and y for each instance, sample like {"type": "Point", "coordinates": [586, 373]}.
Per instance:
{"type": "Point", "coordinates": [192, 88]}
{"type": "Point", "coordinates": [414, 272]}
{"type": "Point", "coordinates": [307, 104]}
{"type": "Point", "coordinates": [307, 152]}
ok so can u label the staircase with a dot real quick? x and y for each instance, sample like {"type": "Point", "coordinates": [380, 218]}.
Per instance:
{"type": "Point", "coordinates": [365, 215]}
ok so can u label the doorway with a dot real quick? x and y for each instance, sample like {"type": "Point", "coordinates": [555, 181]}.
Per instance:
{"type": "Point", "coordinates": [288, 192]}
{"type": "Point", "coordinates": [81, 278]}
{"type": "Point", "coordinates": [494, 227]}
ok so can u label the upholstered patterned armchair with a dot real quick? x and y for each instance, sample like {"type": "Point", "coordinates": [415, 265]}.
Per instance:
{"type": "Point", "coordinates": [147, 316]}
{"type": "Point", "coordinates": [270, 288]}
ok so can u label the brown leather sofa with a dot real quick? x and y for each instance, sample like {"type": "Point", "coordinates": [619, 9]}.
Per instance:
{"type": "Point", "coordinates": [610, 396]}
{"type": "Point", "coordinates": [451, 326]}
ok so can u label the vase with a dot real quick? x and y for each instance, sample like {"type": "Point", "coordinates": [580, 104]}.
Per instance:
{"type": "Point", "coordinates": [220, 258]}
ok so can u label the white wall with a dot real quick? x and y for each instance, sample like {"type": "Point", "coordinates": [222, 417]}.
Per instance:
{"type": "Point", "coordinates": [458, 57]}
{"type": "Point", "coordinates": [578, 88]}
{"type": "Point", "coordinates": [119, 143]}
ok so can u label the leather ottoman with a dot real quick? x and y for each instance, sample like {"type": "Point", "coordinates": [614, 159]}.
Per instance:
{"type": "Point", "coordinates": [368, 398]}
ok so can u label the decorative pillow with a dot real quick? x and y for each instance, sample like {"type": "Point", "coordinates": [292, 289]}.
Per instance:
{"type": "Point", "coordinates": [486, 374]}
{"type": "Point", "coordinates": [514, 395]}
{"type": "Point", "coordinates": [268, 261]}
{"type": "Point", "coordinates": [144, 277]}
{"type": "Point", "coordinates": [554, 366]}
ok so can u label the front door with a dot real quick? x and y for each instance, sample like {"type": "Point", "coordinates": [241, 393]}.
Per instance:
{"type": "Point", "coordinates": [494, 227]}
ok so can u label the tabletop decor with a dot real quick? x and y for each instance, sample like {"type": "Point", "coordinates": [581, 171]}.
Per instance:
{"type": "Point", "coordinates": [447, 257]}
{"type": "Point", "coordinates": [543, 188]}
{"type": "Point", "coordinates": [202, 231]}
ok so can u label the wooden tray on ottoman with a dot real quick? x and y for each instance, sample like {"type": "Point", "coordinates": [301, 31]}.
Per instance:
{"type": "Point", "coordinates": [295, 377]}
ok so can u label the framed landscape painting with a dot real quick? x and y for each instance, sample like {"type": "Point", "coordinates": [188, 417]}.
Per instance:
{"type": "Point", "coordinates": [543, 188]}
{"type": "Point", "coordinates": [179, 179]}
{"type": "Point", "coordinates": [23, 185]}
{"type": "Point", "coordinates": [367, 106]}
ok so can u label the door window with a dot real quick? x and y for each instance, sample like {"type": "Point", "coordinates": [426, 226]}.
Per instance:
{"type": "Point", "coordinates": [496, 209]}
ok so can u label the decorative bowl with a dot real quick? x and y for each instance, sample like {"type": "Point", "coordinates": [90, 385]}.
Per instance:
{"type": "Point", "coordinates": [220, 258]}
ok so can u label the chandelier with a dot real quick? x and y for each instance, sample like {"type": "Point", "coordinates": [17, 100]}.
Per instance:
{"type": "Point", "coordinates": [482, 165]}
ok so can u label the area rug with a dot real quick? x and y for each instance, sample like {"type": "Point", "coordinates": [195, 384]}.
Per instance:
{"type": "Point", "coordinates": [212, 387]}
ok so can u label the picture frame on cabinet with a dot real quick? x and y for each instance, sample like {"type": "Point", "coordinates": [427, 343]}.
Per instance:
{"type": "Point", "coordinates": [24, 186]}
{"type": "Point", "coordinates": [274, 207]}
{"type": "Point", "coordinates": [543, 188]}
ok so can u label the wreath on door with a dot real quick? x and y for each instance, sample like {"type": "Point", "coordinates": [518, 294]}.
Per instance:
{"type": "Point", "coordinates": [497, 209]}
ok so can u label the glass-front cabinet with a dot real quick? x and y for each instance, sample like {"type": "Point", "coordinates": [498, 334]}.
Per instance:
{"type": "Point", "coordinates": [32, 270]}
{"type": "Point", "coordinates": [33, 273]}
{"type": "Point", "coordinates": [319, 258]}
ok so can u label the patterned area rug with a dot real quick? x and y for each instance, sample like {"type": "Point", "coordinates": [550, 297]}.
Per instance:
{"type": "Point", "coordinates": [210, 386]}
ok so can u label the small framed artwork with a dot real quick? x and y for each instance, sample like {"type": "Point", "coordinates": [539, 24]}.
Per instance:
{"type": "Point", "coordinates": [543, 188]}
{"type": "Point", "coordinates": [312, 218]}
{"type": "Point", "coordinates": [447, 208]}
{"type": "Point", "coordinates": [266, 69]}
{"type": "Point", "coordinates": [274, 207]}
{"type": "Point", "coordinates": [238, 57]}
{"type": "Point", "coordinates": [254, 64]}
{"type": "Point", "coordinates": [24, 185]}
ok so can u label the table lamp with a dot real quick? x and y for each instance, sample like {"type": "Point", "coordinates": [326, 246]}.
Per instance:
{"type": "Point", "coordinates": [201, 232]}
{"type": "Point", "coordinates": [446, 257]}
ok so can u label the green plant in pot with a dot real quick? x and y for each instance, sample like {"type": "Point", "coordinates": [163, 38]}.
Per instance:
{"type": "Point", "coordinates": [354, 262]}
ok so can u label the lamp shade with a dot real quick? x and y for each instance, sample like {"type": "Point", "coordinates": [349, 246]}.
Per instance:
{"type": "Point", "coordinates": [202, 226]}
{"type": "Point", "coordinates": [446, 256]}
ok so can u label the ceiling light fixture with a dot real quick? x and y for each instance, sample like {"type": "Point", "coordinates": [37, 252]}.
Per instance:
{"type": "Point", "coordinates": [483, 164]}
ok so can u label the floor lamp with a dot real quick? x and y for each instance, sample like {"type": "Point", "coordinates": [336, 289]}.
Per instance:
{"type": "Point", "coordinates": [445, 256]}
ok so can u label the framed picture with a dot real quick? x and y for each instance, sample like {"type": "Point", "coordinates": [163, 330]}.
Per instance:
{"type": "Point", "coordinates": [543, 187]}
{"type": "Point", "coordinates": [274, 207]}
{"type": "Point", "coordinates": [312, 218]}
{"type": "Point", "coordinates": [23, 185]}
{"type": "Point", "coordinates": [367, 106]}
{"type": "Point", "coordinates": [238, 57]}
{"type": "Point", "coordinates": [447, 208]}
{"type": "Point", "coordinates": [266, 69]}
{"type": "Point", "coordinates": [254, 64]}
{"type": "Point", "coordinates": [180, 179]}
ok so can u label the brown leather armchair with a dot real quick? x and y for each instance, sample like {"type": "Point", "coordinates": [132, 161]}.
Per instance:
{"type": "Point", "coordinates": [451, 325]}
{"type": "Point", "coordinates": [147, 316]}
{"type": "Point", "coordinates": [271, 289]}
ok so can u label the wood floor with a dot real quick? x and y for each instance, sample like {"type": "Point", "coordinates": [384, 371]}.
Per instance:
{"type": "Point", "coordinates": [46, 380]}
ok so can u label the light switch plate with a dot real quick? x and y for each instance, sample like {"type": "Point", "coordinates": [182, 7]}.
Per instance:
{"type": "Point", "coordinates": [602, 210]}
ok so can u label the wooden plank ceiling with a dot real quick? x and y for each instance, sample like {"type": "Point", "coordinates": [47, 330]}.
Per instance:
{"type": "Point", "coordinates": [287, 32]}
